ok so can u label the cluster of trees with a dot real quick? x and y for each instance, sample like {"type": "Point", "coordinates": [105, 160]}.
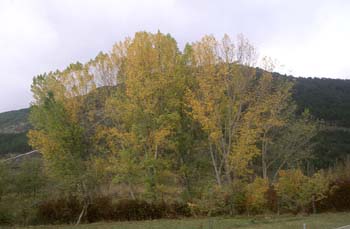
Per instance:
{"type": "Point", "coordinates": [148, 121]}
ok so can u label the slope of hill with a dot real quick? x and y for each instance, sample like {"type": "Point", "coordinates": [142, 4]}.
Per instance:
{"type": "Point", "coordinates": [14, 121]}
{"type": "Point", "coordinates": [327, 99]}
{"type": "Point", "coordinates": [14, 126]}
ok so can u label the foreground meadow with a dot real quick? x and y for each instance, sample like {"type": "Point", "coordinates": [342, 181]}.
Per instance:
{"type": "Point", "coordinates": [319, 221]}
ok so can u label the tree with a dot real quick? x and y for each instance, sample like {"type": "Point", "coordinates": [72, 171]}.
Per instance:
{"type": "Point", "coordinates": [63, 121]}
{"type": "Point", "coordinates": [148, 105]}
{"type": "Point", "coordinates": [165, 124]}
{"type": "Point", "coordinates": [275, 105]}
{"type": "Point", "coordinates": [235, 107]}
{"type": "Point", "coordinates": [292, 144]}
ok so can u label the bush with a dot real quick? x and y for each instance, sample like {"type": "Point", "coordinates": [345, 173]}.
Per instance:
{"type": "Point", "coordinates": [177, 210]}
{"type": "Point", "coordinates": [5, 217]}
{"type": "Point", "coordinates": [271, 199]}
{"type": "Point", "coordinates": [62, 210]}
{"type": "Point", "coordinates": [297, 191]}
{"type": "Point", "coordinates": [215, 200]}
{"type": "Point", "coordinates": [102, 208]}
{"type": "Point", "coordinates": [126, 210]}
{"type": "Point", "coordinates": [338, 197]}
{"type": "Point", "coordinates": [256, 201]}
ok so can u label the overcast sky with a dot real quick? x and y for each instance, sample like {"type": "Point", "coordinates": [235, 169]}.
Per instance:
{"type": "Point", "coordinates": [307, 37]}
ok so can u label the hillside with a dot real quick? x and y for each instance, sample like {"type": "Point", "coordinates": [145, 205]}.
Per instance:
{"type": "Point", "coordinates": [14, 121]}
{"type": "Point", "coordinates": [13, 129]}
{"type": "Point", "coordinates": [327, 99]}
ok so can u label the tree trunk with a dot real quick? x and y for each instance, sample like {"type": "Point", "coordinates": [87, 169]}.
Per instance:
{"type": "Point", "coordinates": [131, 191]}
{"type": "Point", "coordinates": [313, 205]}
{"type": "Point", "coordinates": [264, 168]}
{"type": "Point", "coordinates": [227, 172]}
{"type": "Point", "coordinates": [83, 211]}
{"type": "Point", "coordinates": [217, 172]}
{"type": "Point", "coordinates": [263, 157]}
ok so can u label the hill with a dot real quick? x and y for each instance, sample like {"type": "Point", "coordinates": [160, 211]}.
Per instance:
{"type": "Point", "coordinates": [327, 99]}
{"type": "Point", "coordinates": [14, 121]}
{"type": "Point", "coordinates": [14, 126]}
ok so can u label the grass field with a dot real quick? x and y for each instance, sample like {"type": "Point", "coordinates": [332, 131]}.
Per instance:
{"type": "Point", "coordinates": [320, 221]}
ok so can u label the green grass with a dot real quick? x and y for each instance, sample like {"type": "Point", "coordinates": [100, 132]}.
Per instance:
{"type": "Point", "coordinates": [320, 221]}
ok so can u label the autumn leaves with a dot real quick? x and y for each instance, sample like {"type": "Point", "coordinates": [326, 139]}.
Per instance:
{"type": "Point", "coordinates": [160, 122]}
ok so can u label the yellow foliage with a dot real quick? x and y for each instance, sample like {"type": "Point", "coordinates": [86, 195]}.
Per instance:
{"type": "Point", "coordinates": [255, 195]}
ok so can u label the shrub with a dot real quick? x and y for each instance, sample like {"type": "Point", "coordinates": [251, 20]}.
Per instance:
{"type": "Point", "coordinates": [125, 210]}
{"type": "Point", "coordinates": [101, 208]}
{"type": "Point", "coordinates": [177, 209]}
{"type": "Point", "coordinates": [62, 210]}
{"type": "Point", "coordinates": [215, 200]}
{"type": "Point", "coordinates": [338, 197]}
{"type": "Point", "coordinates": [5, 216]}
{"type": "Point", "coordinates": [256, 201]}
{"type": "Point", "coordinates": [271, 199]}
{"type": "Point", "coordinates": [297, 191]}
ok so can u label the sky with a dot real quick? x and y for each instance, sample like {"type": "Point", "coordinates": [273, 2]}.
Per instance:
{"type": "Point", "coordinates": [308, 38]}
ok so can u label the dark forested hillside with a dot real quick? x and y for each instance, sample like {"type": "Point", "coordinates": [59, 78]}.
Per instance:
{"type": "Point", "coordinates": [14, 121]}
{"type": "Point", "coordinates": [327, 99]}
{"type": "Point", "coordinates": [14, 126]}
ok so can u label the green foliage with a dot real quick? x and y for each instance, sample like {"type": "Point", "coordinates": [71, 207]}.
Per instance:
{"type": "Point", "coordinates": [293, 143]}
{"type": "Point", "coordinates": [332, 147]}
{"type": "Point", "coordinates": [65, 161]}
{"type": "Point", "coordinates": [214, 201]}
{"type": "Point", "coordinates": [22, 185]}
{"type": "Point", "coordinates": [297, 191]}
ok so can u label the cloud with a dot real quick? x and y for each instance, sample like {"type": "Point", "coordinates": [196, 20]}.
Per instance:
{"type": "Point", "coordinates": [309, 38]}
{"type": "Point", "coordinates": [320, 50]}
{"type": "Point", "coordinates": [26, 39]}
